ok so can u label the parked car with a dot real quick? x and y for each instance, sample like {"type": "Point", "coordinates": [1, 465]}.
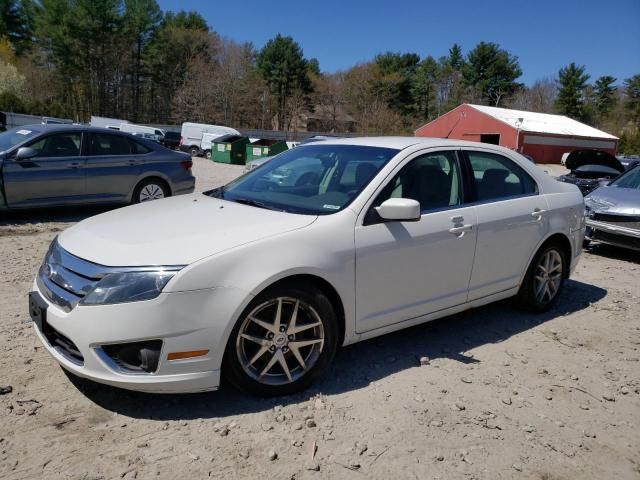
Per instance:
{"type": "Point", "coordinates": [206, 142]}
{"type": "Point", "coordinates": [590, 169]}
{"type": "Point", "coordinates": [613, 212]}
{"type": "Point", "coordinates": [628, 161]}
{"type": "Point", "coordinates": [191, 136]}
{"type": "Point", "coordinates": [51, 165]}
{"type": "Point", "coordinates": [262, 281]}
{"type": "Point", "coordinates": [171, 140]}
{"type": "Point", "coordinates": [250, 165]}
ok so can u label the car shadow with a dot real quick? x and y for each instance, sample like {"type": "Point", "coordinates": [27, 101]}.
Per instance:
{"type": "Point", "coordinates": [358, 365]}
{"type": "Point", "coordinates": [17, 218]}
{"type": "Point", "coordinates": [615, 253]}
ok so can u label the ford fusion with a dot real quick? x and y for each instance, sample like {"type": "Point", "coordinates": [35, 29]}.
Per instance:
{"type": "Point", "coordinates": [328, 244]}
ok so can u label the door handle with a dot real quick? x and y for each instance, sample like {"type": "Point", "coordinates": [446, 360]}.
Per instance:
{"type": "Point", "coordinates": [460, 229]}
{"type": "Point", "coordinates": [74, 165]}
{"type": "Point", "coordinates": [537, 212]}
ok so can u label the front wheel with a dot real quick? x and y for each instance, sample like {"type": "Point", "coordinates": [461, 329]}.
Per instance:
{"type": "Point", "coordinates": [544, 279]}
{"type": "Point", "coordinates": [282, 342]}
{"type": "Point", "coordinates": [207, 154]}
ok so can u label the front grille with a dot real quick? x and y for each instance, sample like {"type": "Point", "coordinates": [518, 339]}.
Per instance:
{"type": "Point", "coordinates": [616, 239]}
{"type": "Point", "coordinates": [626, 221]}
{"type": "Point", "coordinates": [62, 344]}
{"type": "Point", "coordinates": [65, 279]}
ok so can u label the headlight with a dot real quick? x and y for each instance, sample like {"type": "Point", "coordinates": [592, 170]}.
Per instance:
{"type": "Point", "coordinates": [127, 287]}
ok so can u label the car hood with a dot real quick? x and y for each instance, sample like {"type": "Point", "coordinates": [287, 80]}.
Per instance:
{"type": "Point", "coordinates": [623, 201]}
{"type": "Point", "coordinates": [174, 231]}
{"type": "Point", "coordinates": [578, 158]}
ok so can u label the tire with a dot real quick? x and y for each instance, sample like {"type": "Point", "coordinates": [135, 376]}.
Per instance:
{"type": "Point", "coordinates": [586, 243]}
{"type": "Point", "coordinates": [150, 189]}
{"type": "Point", "coordinates": [533, 295]}
{"type": "Point", "coordinates": [255, 365]}
{"type": "Point", "coordinates": [194, 151]}
{"type": "Point", "coordinates": [207, 154]}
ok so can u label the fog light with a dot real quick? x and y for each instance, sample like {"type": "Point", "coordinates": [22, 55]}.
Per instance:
{"type": "Point", "coordinates": [135, 357]}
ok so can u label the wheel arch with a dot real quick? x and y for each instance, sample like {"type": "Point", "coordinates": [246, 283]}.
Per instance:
{"type": "Point", "coordinates": [562, 240]}
{"type": "Point", "coordinates": [148, 175]}
{"type": "Point", "coordinates": [314, 281]}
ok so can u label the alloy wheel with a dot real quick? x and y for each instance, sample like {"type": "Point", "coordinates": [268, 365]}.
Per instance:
{"type": "Point", "coordinates": [280, 341]}
{"type": "Point", "coordinates": [151, 192]}
{"type": "Point", "coordinates": [548, 276]}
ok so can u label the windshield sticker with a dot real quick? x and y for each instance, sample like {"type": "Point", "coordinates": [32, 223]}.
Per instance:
{"type": "Point", "coordinates": [23, 132]}
{"type": "Point", "coordinates": [331, 207]}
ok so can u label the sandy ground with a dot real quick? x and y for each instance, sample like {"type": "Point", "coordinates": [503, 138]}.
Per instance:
{"type": "Point", "coordinates": [503, 395]}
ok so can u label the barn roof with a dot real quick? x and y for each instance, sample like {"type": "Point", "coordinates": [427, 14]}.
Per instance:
{"type": "Point", "coordinates": [542, 122]}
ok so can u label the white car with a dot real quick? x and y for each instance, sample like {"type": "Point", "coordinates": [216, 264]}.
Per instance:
{"type": "Point", "coordinates": [262, 281]}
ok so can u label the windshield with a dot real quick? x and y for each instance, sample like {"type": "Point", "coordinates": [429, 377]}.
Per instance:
{"type": "Point", "coordinates": [314, 179]}
{"type": "Point", "coordinates": [631, 179]}
{"type": "Point", "coordinates": [15, 136]}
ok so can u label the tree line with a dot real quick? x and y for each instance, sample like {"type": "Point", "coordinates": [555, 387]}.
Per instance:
{"type": "Point", "coordinates": [129, 59]}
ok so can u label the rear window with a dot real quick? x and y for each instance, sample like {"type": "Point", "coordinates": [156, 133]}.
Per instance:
{"type": "Point", "coordinates": [139, 148]}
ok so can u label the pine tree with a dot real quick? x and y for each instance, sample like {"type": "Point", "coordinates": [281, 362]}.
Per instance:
{"type": "Point", "coordinates": [572, 81]}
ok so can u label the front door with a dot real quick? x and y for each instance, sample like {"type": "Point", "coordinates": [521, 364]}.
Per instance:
{"type": "Point", "coordinates": [511, 222]}
{"type": "Point", "coordinates": [55, 176]}
{"type": "Point", "coordinates": [408, 269]}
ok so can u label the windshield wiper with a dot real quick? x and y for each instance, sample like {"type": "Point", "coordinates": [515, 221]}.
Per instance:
{"type": "Point", "coordinates": [255, 203]}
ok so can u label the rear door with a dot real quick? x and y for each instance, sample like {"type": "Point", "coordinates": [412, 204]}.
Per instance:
{"type": "Point", "coordinates": [113, 166]}
{"type": "Point", "coordinates": [55, 176]}
{"type": "Point", "coordinates": [512, 219]}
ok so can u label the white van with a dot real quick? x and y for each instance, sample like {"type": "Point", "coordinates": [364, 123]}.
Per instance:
{"type": "Point", "coordinates": [149, 132]}
{"type": "Point", "coordinates": [191, 136]}
{"type": "Point", "coordinates": [106, 122]}
{"type": "Point", "coordinates": [205, 144]}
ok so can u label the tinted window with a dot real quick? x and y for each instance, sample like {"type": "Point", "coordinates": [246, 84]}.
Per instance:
{"type": "Point", "coordinates": [58, 145]}
{"type": "Point", "coordinates": [433, 180]}
{"type": "Point", "coordinates": [314, 179]}
{"type": "Point", "coordinates": [105, 144]}
{"type": "Point", "coordinates": [497, 177]}
{"type": "Point", "coordinates": [139, 148]}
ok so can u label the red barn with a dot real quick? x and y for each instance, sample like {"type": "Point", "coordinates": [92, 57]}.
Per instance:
{"type": "Point", "coordinates": [542, 136]}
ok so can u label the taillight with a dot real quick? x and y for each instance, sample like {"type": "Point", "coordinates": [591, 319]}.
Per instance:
{"type": "Point", "coordinates": [180, 141]}
{"type": "Point", "coordinates": [187, 164]}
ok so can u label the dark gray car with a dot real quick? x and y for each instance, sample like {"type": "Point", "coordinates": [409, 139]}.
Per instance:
{"type": "Point", "coordinates": [51, 165]}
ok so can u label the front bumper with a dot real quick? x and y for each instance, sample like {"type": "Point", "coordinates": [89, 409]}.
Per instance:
{"type": "Point", "coordinates": [184, 321]}
{"type": "Point", "coordinates": [613, 234]}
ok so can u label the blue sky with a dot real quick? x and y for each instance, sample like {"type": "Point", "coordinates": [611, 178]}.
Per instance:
{"type": "Point", "coordinates": [545, 35]}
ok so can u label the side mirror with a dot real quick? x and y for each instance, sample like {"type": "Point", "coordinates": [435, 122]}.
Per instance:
{"type": "Point", "coordinates": [25, 153]}
{"type": "Point", "coordinates": [399, 210]}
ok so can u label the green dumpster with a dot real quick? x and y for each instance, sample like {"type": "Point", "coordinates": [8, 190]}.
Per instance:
{"type": "Point", "coordinates": [229, 149]}
{"type": "Point", "coordinates": [265, 148]}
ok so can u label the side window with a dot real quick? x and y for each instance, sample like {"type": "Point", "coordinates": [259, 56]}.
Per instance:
{"type": "Point", "coordinates": [497, 177]}
{"type": "Point", "coordinates": [58, 145]}
{"type": "Point", "coordinates": [432, 179]}
{"type": "Point", "coordinates": [105, 144]}
{"type": "Point", "coordinates": [139, 148]}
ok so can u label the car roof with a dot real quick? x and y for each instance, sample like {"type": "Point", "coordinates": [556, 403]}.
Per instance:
{"type": "Point", "coordinates": [401, 143]}
{"type": "Point", "coordinates": [61, 127]}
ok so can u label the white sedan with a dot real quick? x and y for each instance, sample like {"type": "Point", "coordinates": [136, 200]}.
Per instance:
{"type": "Point", "coordinates": [263, 279]}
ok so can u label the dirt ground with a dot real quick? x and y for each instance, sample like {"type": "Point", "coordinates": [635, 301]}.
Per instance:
{"type": "Point", "coordinates": [503, 394]}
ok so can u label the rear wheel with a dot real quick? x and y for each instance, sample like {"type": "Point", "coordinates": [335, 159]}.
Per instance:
{"type": "Point", "coordinates": [283, 341]}
{"type": "Point", "coordinates": [544, 279]}
{"type": "Point", "coordinates": [207, 154]}
{"type": "Point", "coordinates": [150, 189]}
{"type": "Point", "coordinates": [194, 151]}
